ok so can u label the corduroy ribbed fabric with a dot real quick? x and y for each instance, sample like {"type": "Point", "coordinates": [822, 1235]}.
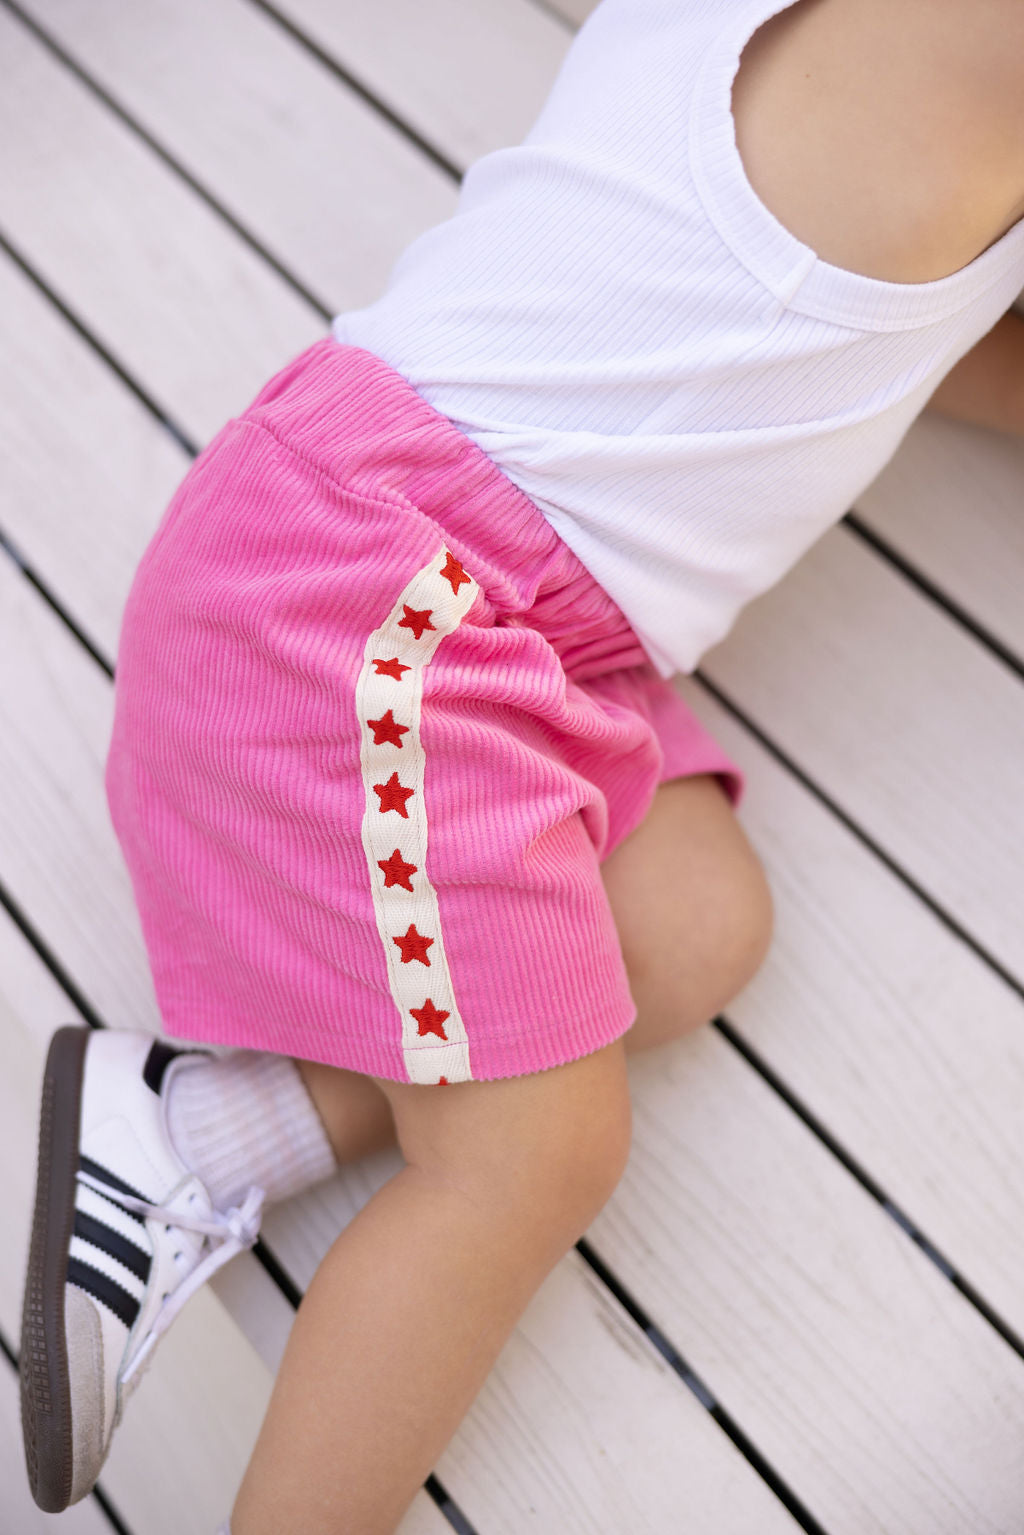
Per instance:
{"type": "Point", "coordinates": [375, 728]}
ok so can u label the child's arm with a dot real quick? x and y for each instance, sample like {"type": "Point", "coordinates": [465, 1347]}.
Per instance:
{"type": "Point", "coordinates": [986, 386]}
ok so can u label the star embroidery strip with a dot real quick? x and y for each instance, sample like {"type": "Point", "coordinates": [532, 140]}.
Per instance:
{"type": "Point", "coordinates": [389, 695]}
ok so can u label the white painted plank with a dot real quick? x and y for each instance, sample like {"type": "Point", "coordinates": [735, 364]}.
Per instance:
{"type": "Point", "coordinates": [18, 1514]}
{"type": "Point", "coordinates": [469, 75]}
{"type": "Point", "coordinates": [910, 723]}
{"type": "Point", "coordinates": [206, 1391]}
{"type": "Point", "coordinates": [57, 708]}
{"type": "Point", "coordinates": [886, 1025]}
{"type": "Point", "coordinates": [82, 512]}
{"type": "Point", "coordinates": [950, 503]}
{"type": "Point", "coordinates": [177, 297]}
{"type": "Point", "coordinates": [885, 1401]}
{"type": "Point", "coordinates": [312, 165]}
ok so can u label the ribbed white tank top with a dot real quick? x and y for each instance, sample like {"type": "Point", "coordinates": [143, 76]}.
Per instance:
{"type": "Point", "coordinates": [688, 393]}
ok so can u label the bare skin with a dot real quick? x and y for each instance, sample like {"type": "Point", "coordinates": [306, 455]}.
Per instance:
{"type": "Point", "coordinates": [885, 134]}
{"type": "Point", "coordinates": [410, 1308]}
{"type": "Point", "coordinates": [890, 139]}
{"type": "Point", "coordinates": [686, 956]}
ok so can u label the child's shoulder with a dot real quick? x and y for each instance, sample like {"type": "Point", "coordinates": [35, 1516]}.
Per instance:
{"type": "Point", "coordinates": [888, 137]}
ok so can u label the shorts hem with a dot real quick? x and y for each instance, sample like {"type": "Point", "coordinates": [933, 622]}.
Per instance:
{"type": "Point", "coordinates": [517, 1055]}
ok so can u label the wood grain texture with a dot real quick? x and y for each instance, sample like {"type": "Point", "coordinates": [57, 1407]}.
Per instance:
{"type": "Point", "coordinates": [886, 1026]}
{"type": "Point", "coordinates": [57, 710]}
{"type": "Point", "coordinates": [167, 287]}
{"type": "Point", "coordinates": [469, 75]}
{"type": "Point", "coordinates": [951, 502]}
{"type": "Point", "coordinates": [87, 468]}
{"type": "Point", "coordinates": [869, 1385]}
{"type": "Point", "coordinates": [285, 144]}
{"type": "Point", "coordinates": [917, 730]}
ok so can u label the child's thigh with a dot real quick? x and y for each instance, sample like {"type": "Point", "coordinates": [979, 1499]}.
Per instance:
{"type": "Point", "coordinates": [551, 1144]}
{"type": "Point", "coordinates": [691, 904]}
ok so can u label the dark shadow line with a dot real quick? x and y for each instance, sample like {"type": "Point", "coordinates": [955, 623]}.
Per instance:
{"type": "Point", "coordinates": [49, 960]}
{"type": "Point", "coordinates": [169, 159]}
{"type": "Point", "coordinates": [935, 594]}
{"type": "Point", "coordinates": [92, 340]}
{"type": "Point", "coordinates": [726, 1422]}
{"type": "Point", "coordinates": [864, 837]}
{"type": "Point", "coordinates": [436, 156]}
{"type": "Point", "coordinates": [53, 603]}
{"type": "Point", "coordinates": [871, 1186]}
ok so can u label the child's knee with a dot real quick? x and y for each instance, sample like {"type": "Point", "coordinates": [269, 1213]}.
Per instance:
{"type": "Point", "coordinates": [548, 1148]}
{"type": "Point", "coordinates": [709, 943]}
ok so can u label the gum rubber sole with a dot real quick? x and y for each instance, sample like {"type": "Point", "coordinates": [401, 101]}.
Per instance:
{"type": "Point", "coordinates": [45, 1390]}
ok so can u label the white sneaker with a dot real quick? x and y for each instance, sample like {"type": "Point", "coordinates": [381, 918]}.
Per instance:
{"type": "Point", "coordinates": [123, 1235]}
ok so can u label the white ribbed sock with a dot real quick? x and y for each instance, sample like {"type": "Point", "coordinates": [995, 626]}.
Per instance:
{"type": "Point", "coordinates": [247, 1118]}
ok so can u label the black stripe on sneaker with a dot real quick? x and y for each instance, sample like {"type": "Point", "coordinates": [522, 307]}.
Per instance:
{"type": "Point", "coordinates": [113, 1181]}
{"type": "Point", "coordinates": [159, 1058]}
{"type": "Point", "coordinates": [113, 1243]}
{"type": "Point", "coordinates": [103, 1289]}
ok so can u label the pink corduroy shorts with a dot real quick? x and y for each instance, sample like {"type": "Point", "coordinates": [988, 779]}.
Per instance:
{"type": "Point", "coordinates": [376, 728]}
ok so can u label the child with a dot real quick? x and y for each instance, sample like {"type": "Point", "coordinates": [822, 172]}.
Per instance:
{"type": "Point", "coordinates": [405, 792]}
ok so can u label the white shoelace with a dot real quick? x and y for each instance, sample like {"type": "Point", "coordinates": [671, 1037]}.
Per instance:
{"type": "Point", "coordinates": [235, 1230]}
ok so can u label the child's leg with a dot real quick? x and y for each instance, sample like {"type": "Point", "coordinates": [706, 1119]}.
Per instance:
{"type": "Point", "coordinates": [692, 907]}
{"type": "Point", "coordinates": [410, 1308]}
{"type": "Point", "coordinates": [694, 915]}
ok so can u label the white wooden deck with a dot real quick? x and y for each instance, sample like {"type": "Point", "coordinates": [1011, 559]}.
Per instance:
{"type": "Point", "coordinates": [803, 1309]}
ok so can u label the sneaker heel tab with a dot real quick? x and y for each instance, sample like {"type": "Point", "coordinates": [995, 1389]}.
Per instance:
{"type": "Point", "coordinates": [161, 1056]}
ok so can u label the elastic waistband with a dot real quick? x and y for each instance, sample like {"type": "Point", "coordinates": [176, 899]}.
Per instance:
{"type": "Point", "coordinates": [362, 424]}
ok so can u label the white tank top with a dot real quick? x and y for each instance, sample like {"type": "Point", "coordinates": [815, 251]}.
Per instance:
{"type": "Point", "coordinates": [685, 390]}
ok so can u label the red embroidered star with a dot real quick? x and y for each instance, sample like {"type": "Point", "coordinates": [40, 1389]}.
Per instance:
{"type": "Point", "coordinates": [454, 573]}
{"type": "Point", "coordinates": [416, 619]}
{"type": "Point", "coordinates": [430, 1019]}
{"type": "Point", "coordinates": [413, 945]}
{"type": "Point", "coordinates": [396, 871]}
{"type": "Point", "coordinates": [393, 796]}
{"type": "Point", "coordinates": [442, 1081]}
{"type": "Point", "coordinates": [393, 668]}
{"type": "Point", "coordinates": [386, 729]}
